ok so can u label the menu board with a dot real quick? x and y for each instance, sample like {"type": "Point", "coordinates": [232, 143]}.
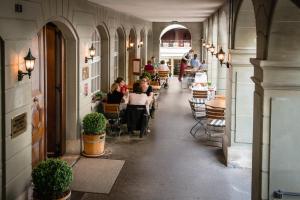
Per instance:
{"type": "Point", "coordinates": [136, 66]}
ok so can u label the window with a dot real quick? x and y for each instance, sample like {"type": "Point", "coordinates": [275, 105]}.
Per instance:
{"type": "Point", "coordinates": [96, 64]}
{"type": "Point", "coordinates": [116, 56]}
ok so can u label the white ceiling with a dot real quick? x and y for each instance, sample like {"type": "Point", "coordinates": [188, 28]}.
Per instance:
{"type": "Point", "coordinates": [165, 10]}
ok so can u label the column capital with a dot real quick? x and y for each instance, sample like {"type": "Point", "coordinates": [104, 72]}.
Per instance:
{"type": "Point", "coordinates": [276, 75]}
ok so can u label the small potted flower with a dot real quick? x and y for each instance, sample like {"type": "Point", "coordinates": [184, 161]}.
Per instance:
{"type": "Point", "coordinates": [51, 179]}
{"type": "Point", "coordinates": [94, 125]}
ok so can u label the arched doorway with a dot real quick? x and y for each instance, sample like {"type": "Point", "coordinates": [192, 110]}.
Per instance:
{"type": "Point", "coordinates": [142, 47]}
{"type": "Point", "coordinates": [175, 40]}
{"type": "Point", "coordinates": [120, 53]}
{"type": "Point", "coordinates": [149, 44]}
{"type": "Point", "coordinates": [54, 84]}
{"type": "Point", "coordinates": [240, 89]}
{"type": "Point", "coordinates": [132, 55]}
{"type": "Point", "coordinates": [104, 56]}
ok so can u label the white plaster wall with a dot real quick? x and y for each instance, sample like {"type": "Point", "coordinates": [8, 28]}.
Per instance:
{"type": "Point", "coordinates": [19, 32]}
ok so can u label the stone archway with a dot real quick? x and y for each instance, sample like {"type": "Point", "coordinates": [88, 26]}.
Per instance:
{"type": "Point", "coordinates": [276, 104]}
{"type": "Point", "coordinates": [105, 57]}
{"type": "Point", "coordinates": [132, 54]}
{"type": "Point", "coordinates": [121, 52]}
{"type": "Point", "coordinates": [239, 126]}
{"type": "Point", "coordinates": [65, 137]}
{"type": "Point", "coordinates": [143, 47]}
{"type": "Point", "coordinates": [149, 44]}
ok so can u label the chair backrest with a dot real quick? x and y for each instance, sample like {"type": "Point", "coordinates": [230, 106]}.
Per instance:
{"type": "Point", "coordinates": [154, 83]}
{"type": "Point", "coordinates": [163, 74]}
{"type": "Point", "coordinates": [200, 94]}
{"type": "Point", "coordinates": [214, 113]}
{"type": "Point", "coordinates": [111, 108]}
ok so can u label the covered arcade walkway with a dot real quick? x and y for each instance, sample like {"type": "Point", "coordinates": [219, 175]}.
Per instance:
{"type": "Point", "coordinates": [169, 164]}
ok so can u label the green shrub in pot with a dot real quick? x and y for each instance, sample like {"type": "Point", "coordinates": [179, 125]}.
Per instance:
{"type": "Point", "coordinates": [51, 179]}
{"type": "Point", "coordinates": [94, 123]}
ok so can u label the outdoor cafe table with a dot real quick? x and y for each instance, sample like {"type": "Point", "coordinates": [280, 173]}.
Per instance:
{"type": "Point", "coordinates": [217, 103]}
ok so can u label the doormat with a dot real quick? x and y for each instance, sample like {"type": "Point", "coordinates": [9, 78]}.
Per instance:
{"type": "Point", "coordinates": [95, 175]}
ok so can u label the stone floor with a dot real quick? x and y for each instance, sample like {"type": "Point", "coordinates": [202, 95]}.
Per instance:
{"type": "Point", "coordinates": [169, 164]}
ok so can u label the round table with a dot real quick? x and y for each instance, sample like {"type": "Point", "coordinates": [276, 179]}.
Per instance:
{"type": "Point", "coordinates": [217, 103]}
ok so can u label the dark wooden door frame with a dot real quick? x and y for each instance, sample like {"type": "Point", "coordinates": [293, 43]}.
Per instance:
{"type": "Point", "coordinates": [61, 89]}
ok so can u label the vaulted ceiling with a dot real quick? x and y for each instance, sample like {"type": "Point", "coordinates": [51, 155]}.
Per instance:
{"type": "Point", "coordinates": [165, 10]}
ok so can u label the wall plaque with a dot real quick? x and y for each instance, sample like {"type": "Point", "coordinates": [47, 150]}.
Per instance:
{"type": "Point", "coordinates": [18, 125]}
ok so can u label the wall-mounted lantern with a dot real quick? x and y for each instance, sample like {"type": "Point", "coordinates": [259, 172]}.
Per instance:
{"type": "Point", "coordinates": [29, 66]}
{"type": "Point", "coordinates": [211, 49]}
{"type": "Point", "coordinates": [141, 44]}
{"type": "Point", "coordinates": [207, 45]}
{"type": "Point", "coordinates": [131, 45]}
{"type": "Point", "coordinates": [221, 57]}
{"type": "Point", "coordinates": [92, 51]}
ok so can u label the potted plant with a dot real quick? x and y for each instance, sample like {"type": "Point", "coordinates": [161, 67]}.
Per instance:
{"type": "Point", "coordinates": [98, 96]}
{"type": "Point", "coordinates": [51, 179]}
{"type": "Point", "coordinates": [94, 125]}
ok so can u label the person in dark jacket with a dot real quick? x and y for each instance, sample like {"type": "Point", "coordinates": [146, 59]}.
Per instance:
{"type": "Point", "coordinates": [115, 96]}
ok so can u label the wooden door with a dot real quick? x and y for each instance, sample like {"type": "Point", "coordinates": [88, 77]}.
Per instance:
{"type": "Point", "coordinates": [55, 91]}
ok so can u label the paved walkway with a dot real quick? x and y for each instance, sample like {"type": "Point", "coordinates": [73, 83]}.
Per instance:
{"type": "Point", "coordinates": [169, 164]}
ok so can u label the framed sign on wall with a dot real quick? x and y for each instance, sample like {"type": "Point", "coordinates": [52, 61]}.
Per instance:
{"type": "Point", "coordinates": [136, 66]}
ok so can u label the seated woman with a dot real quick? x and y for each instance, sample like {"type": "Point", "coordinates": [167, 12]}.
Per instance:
{"type": "Point", "coordinates": [146, 88]}
{"type": "Point", "coordinates": [149, 67]}
{"type": "Point", "coordinates": [163, 66]}
{"type": "Point", "coordinates": [115, 96]}
{"type": "Point", "coordinates": [123, 87]}
{"type": "Point", "coordinates": [137, 97]}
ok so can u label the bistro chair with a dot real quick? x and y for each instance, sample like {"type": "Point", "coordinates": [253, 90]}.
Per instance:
{"type": "Point", "coordinates": [112, 113]}
{"type": "Point", "coordinates": [163, 77]}
{"type": "Point", "coordinates": [215, 124]}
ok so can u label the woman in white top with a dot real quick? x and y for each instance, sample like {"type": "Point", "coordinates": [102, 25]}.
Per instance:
{"type": "Point", "coordinates": [163, 66]}
{"type": "Point", "coordinates": [138, 98]}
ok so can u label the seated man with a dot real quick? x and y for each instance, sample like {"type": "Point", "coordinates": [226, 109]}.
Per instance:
{"type": "Point", "coordinates": [195, 63]}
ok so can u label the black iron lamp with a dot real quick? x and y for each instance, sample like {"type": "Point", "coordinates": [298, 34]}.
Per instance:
{"type": "Point", "coordinates": [141, 44]}
{"type": "Point", "coordinates": [29, 66]}
{"type": "Point", "coordinates": [207, 46]}
{"type": "Point", "coordinates": [131, 45]}
{"type": "Point", "coordinates": [211, 49]}
{"type": "Point", "coordinates": [221, 57]}
{"type": "Point", "coordinates": [92, 51]}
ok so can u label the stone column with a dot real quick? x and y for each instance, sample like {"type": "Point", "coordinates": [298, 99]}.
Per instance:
{"type": "Point", "coordinates": [273, 80]}
{"type": "Point", "coordinates": [239, 112]}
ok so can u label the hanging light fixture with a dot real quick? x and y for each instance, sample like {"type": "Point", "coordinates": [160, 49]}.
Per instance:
{"type": "Point", "coordinates": [221, 57]}
{"type": "Point", "coordinates": [29, 66]}
{"type": "Point", "coordinates": [92, 51]}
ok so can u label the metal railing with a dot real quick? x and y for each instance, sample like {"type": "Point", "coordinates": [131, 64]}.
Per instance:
{"type": "Point", "coordinates": [279, 194]}
{"type": "Point", "coordinates": [175, 43]}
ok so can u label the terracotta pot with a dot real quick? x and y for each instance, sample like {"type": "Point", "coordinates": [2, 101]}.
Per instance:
{"type": "Point", "coordinates": [67, 196]}
{"type": "Point", "coordinates": [93, 145]}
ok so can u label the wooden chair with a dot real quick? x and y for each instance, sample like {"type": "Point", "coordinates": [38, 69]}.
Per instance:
{"type": "Point", "coordinates": [200, 94]}
{"type": "Point", "coordinates": [163, 77]}
{"type": "Point", "coordinates": [112, 113]}
{"type": "Point", "coordinates": [215, 121]}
